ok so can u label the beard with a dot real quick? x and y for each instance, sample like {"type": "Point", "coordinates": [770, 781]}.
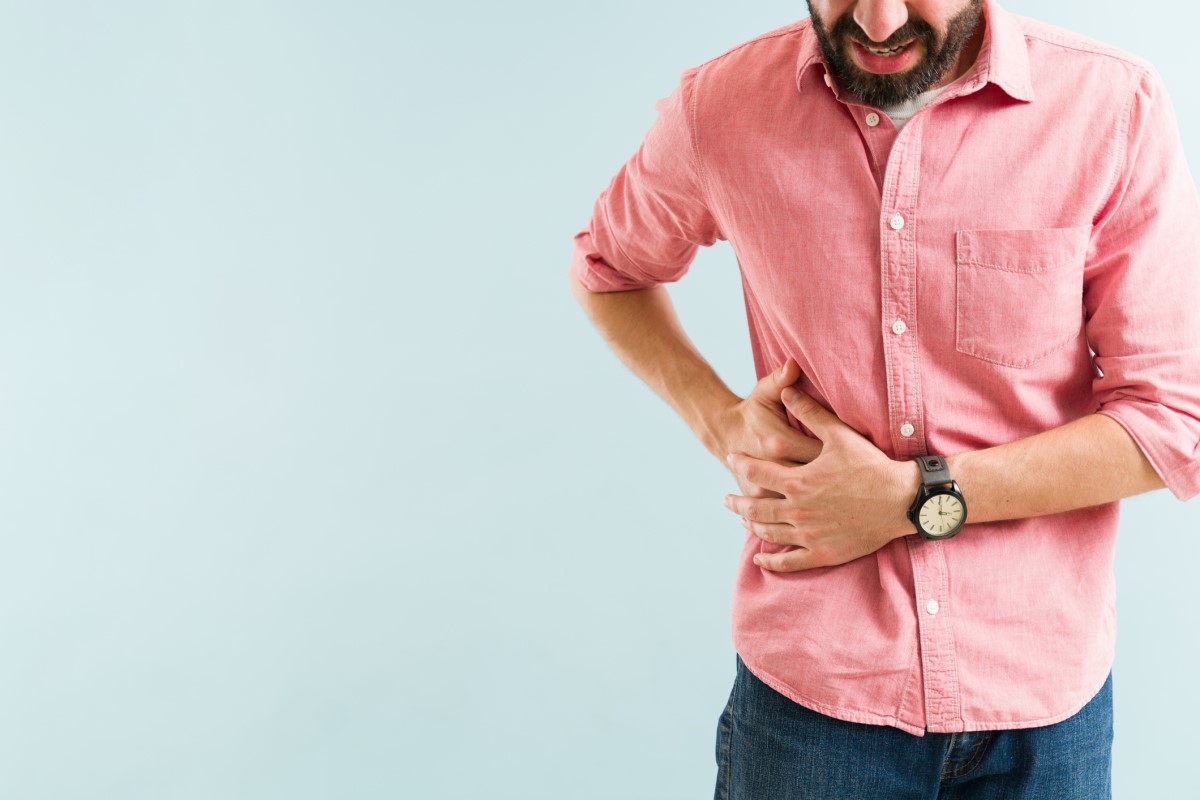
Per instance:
{"type": "Point", "coordinates": [880, 90]}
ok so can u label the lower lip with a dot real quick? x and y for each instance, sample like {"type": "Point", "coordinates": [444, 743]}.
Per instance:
{"type": "Point", "coordinates": [885, 64]}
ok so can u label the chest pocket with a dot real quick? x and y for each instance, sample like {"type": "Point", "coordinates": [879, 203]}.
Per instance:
{"type": "Point", "coordinates": [1019, 292]}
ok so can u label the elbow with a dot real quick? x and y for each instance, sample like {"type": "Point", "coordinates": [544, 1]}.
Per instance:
{"type": "Point", "coordinates": [1168, 436]}
{"type": "Point", "coordinates": [578, 290]}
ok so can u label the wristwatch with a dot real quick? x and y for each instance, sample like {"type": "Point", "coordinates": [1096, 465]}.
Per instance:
{"type": "Point", "coordinates": [939, 510]}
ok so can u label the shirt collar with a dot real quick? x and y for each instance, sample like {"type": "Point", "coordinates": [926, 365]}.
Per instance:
{"type": "Point", "coordinates": [1003, 58]}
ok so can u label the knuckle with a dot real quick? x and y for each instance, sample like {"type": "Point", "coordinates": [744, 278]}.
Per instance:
{"type": "Point", "coordinates": [775, 446]}
{"type": "Point", "coordinates": [807, 405]}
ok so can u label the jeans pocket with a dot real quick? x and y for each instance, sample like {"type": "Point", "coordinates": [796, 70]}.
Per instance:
{"type": "Point", "coordinates": [1019, 292]}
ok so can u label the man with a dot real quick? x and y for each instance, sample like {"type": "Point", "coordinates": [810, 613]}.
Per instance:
{"type": "Point", "coordinates": [971, 278]}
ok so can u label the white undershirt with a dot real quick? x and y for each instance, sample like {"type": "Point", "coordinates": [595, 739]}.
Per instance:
{"type": "Point", "coordinates": [902, 112]}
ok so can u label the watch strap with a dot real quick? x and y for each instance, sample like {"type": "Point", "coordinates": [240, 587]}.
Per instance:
{"type": "Point", "coordinates": [934, 470]}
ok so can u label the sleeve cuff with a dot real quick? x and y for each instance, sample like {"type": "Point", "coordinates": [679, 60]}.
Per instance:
{"type": "Point", "coordinates": [1168, 444]}
{"type": "Point", "coordinates": [596, 274]}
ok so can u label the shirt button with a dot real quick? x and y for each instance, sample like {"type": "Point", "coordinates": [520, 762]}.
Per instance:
{"type": "Point", "coordinates": [899, 327]}
{"type": "Point", "coordinates": [897, 222]}
{"type": "Point", "coordinates": [872, 119]}
{"type": "Point", "coordinates": [907, 429]}
{"type": "Point", "coordinates": [932, 606]}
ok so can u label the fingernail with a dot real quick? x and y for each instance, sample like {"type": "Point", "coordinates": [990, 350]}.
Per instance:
{"type": "Point", "coordinates": [782, 369]}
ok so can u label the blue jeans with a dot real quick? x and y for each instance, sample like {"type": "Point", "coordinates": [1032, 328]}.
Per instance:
{"type": "Point", "coordinates": [772, 748]}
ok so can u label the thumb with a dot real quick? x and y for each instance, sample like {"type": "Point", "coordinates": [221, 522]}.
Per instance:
{"type": "Point", "coordinates": [808, 411]}
{"type": "Point", "coordinates": [787, 374]}
{"type": "Point", "coordinates": [768, 386]}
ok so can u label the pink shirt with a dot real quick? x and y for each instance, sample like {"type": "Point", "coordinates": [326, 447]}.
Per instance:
{"type": "Point", "coordinates": [943, 288]}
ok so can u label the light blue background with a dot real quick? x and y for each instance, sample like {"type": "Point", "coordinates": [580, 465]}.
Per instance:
{"type": "Point", "coordinates": [317, 483]}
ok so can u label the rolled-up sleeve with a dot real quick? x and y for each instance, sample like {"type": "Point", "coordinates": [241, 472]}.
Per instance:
{"type": "Point", "coordinates": [646, 227]}
{"type": "Point", "coordinates": [1142, 293]}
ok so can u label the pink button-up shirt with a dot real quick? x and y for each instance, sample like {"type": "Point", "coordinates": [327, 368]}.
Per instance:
{"type": "Point", "coordinates": [1025, 251]}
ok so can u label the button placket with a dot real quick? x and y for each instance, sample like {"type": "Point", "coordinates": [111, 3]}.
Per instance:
{"type": "Point", "coordinates": [940, 695]}
{"type": "Point", "coordinates": [898, 282]}
{"type": "Point", "coordinates": [941, 690]}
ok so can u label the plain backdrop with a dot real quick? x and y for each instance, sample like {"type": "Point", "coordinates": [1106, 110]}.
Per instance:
{"type": "Point", "coordinates": [317, 482]}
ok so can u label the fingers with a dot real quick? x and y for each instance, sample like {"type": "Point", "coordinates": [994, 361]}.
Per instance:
{"type": "Point", "coordinates": [790, 445]}
{"type": "Point", "coordinates": [758, 509]}
{"type": "Point", "coordinates": [820, 420]}
{"type": "Point", "coordinates": [789, 560]}
{"type": "Point", "coordinates": [773, 532]}
{"type": "Point", "coordinates": [762, 472]}
{"type": "Point", "coordinates": [753, 490]}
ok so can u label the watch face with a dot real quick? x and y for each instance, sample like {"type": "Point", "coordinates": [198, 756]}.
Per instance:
{"type": "Point", "coordinates": [941, 514]}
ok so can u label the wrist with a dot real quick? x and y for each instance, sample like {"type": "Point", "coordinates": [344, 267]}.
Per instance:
{"type": "Point", "coordinates": [712, 421]}
{"type": "Point", "coordinates": [906, 480]}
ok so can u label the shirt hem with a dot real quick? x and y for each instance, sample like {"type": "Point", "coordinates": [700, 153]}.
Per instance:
{"type": "Point", "coordinates": [1034, 723]}
{"type": "Point", "coordinates": [846, 715]}
{"type": "Point", "coordinates": [872, 718]}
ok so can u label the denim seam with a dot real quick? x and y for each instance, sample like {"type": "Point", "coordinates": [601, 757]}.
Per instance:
{"type": "Point", "coordinates": [973, 760]}
{"type": "Point", "coordinates": [727, 753]}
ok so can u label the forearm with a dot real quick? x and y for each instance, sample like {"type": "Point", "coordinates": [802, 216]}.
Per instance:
{"type": "Point", "coordinates": [1085, 462]}
{"type": "Point", "coordinates": [642, 328]}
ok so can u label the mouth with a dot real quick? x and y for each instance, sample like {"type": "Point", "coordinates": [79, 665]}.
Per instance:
{"type": "Point", "coordinates": [892, 59]}
{"type": "Point", "coordinates": [885, 51]}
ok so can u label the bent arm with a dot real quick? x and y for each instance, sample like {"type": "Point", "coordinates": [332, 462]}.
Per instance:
{"type": "Point", "coordinates": [642, 328]}
{"type": "Point", "coordinates": [1085, 462]}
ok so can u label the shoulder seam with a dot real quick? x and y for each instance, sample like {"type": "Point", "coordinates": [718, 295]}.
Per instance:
{"type": "Point", "coordinates": [694, 134]}
{"type": "Point", "coordinates": [1131, 59]}
{"type": "Point", "coordinates": [1123, 139]}
{"type": "Point", "coordinates": [696, 75]}
{"type": "Point", "coordinates": [784, 31]}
